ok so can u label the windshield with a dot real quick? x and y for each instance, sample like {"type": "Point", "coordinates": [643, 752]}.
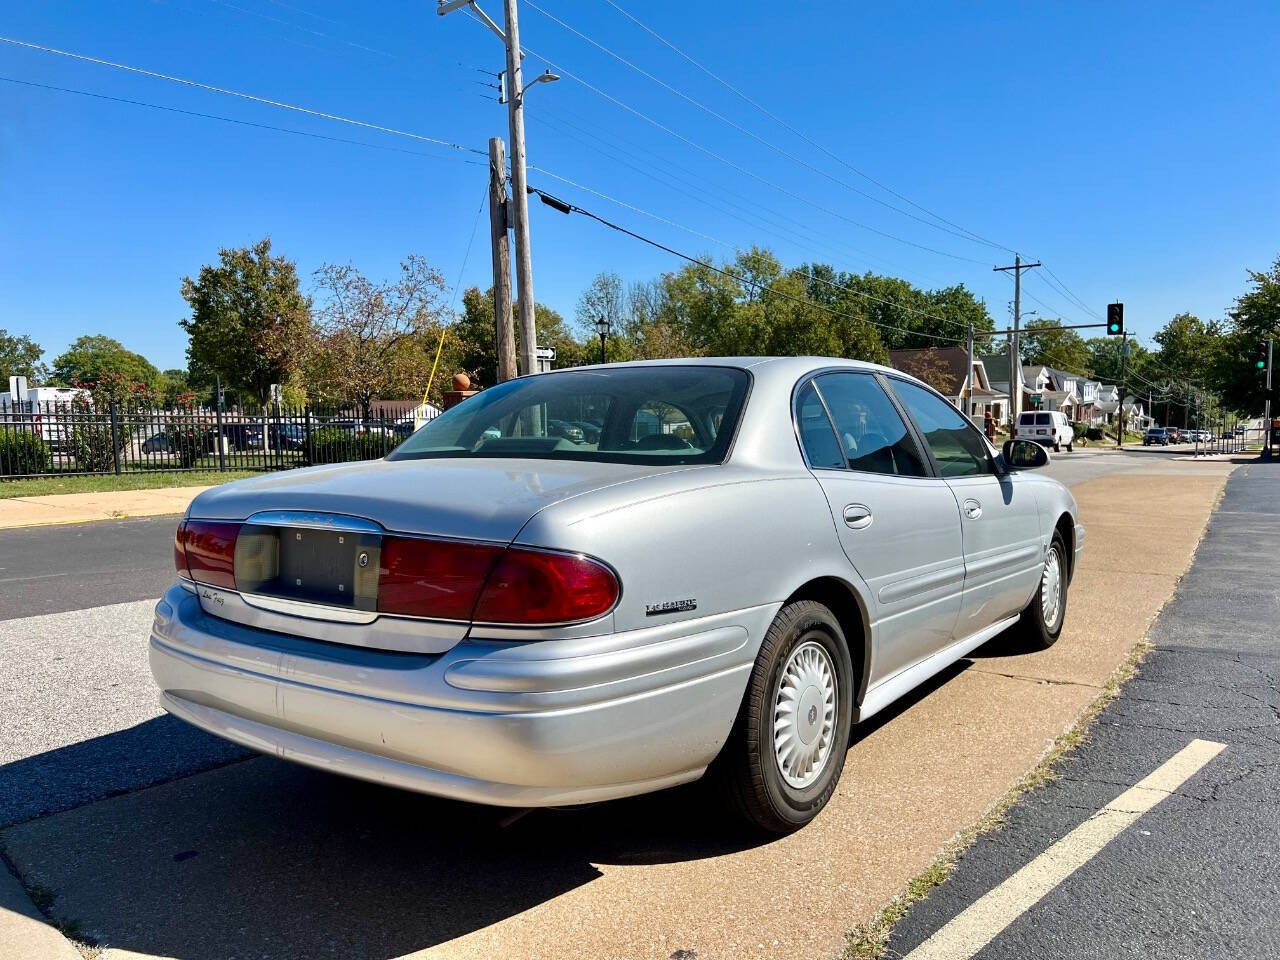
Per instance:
{"type": "Point", "coordinates": [659, 414]}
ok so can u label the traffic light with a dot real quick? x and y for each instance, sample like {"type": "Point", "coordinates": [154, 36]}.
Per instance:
{"type": "Point", "coordinates": [1115, 319]}
{"type": "Point", "coordinates": [1260, 360]}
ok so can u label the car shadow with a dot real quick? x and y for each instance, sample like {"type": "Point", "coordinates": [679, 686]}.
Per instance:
{"type": "Point", "coordinates": [263, 858]}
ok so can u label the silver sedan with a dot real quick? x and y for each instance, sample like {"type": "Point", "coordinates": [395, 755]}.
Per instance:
{"type": "Point", "coordinates": [728, 565]}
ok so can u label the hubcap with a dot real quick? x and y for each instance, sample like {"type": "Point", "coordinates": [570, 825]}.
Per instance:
{"type": "Point", "coordinates": [804, 714]}
{"type": "Point", "coordinates": [1051, 589]}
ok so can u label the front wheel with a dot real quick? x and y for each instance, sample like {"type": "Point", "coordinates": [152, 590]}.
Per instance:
{"type": "Point", "coordinates": [1042, 618]}
{"type": "Point", "coordinates": [786, 752]}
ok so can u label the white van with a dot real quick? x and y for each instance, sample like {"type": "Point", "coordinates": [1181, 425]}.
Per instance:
{"type": "Point", "coordinates": [1053, 429]}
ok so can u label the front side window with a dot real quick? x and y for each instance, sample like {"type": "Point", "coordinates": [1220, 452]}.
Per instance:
{"type": "Point", "coordinates": [681, 414]}
{"type": "Point", "coordinates": [957, 446]}
{"type": "Point", "coordinates": [870, 432]}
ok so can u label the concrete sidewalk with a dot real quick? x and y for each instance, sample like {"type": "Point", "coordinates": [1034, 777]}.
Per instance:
{"type": "Point", "coordinates": [82, 507]}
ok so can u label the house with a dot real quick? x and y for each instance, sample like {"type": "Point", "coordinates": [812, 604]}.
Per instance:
{"type": "Point", "coordinates": [947, 370]}
{"type": "Point", "coordinates": [997, 367]}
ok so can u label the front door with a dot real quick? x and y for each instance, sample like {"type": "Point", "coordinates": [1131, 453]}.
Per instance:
{"type": "Point", "coordinates": [1003, 548]}
{"type": "Point", "coordinates": [899, 526]}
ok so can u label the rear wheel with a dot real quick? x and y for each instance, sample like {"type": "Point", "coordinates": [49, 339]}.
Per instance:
{"type": "Point", "coordinates": [1042, 618]}
{"type": "Point", "coordinates": [786, 752]}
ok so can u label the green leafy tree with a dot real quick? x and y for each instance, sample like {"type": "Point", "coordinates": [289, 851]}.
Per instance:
{"type": "Point", "coordinates": [20, 357]}
{"type": "Point", "coordinates": [248, 319]}
{"type": "Point", "coordinates": [1046, 342]}
{"type": "Point", "coordinates": [372, 338]}
{"type": "Point", "coordinates": [91, 359]}
{"type": "Point", "coordinates": [1256, 317]}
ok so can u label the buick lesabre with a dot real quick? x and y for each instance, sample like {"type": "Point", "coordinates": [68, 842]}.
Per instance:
{"type": "Point", "coordinates": [727, 564]}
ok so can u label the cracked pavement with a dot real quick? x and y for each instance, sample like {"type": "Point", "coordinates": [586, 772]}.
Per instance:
{"type": "Point", "coordinates": [1196, 876]}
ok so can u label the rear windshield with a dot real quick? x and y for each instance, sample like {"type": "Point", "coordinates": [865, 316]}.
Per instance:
{"type": "Point", "coordinates": [1043, 419]}
{"type": "Point", "coordinates": [659, 414]}
{"type": "Point", "coordinates": [1027, 418]}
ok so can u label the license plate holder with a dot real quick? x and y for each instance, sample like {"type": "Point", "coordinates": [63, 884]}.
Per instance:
{"type": "Point", "coordinates": [335, 568]}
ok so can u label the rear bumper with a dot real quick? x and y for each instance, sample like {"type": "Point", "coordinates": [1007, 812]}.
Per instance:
{"type": "Point", "coordinates": [533, 724]}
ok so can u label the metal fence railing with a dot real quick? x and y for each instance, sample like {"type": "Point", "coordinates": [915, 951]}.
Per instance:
{"type": "Point", "coordinates": [58, 439]}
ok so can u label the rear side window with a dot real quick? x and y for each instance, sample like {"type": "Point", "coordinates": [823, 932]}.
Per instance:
{"type": "Point", "coordinates": [816, 433]}
{"type": "Point", "coordinates": [956, 444]}
{"type": "Point", "coordinates": [870, 433]}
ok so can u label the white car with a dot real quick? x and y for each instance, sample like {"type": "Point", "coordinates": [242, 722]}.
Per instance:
{"type": "Point", "coordinates": [748, 557]}
{"type": "Point", "coordinates": [1051, 428]}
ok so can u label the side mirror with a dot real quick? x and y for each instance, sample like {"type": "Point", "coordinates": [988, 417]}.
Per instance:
{"type": "Point", "coordinates": [1024, 455]}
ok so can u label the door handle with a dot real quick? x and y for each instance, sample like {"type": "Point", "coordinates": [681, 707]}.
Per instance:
{"type": "Point", "coordinates": [857, 516]}
{"type": "Point", "coordinates": [972, 509]}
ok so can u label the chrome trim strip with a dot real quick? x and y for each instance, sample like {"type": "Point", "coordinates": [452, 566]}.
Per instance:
{"type": "Point", "coordinates": [311, 611]}
{"type": "Point", "coordinates": [314, 521]}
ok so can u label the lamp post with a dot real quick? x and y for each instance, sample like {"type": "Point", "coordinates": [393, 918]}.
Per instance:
{"type": "Point", "coordinates": [602, 328]}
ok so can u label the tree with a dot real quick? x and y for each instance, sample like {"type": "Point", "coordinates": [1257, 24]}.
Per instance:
{"type": "Point", "coordinates": [249, 320]}
{"type": "Point", "coordinates": [20, 357]}
{"type": "Point", "coordinates": [91, 359]}
{"type": "Point", "coordinates": [1045, 342]}
{"type": "Point", "coordinates": [1256, 317]}
{"type": "Point", "coordinates": [371, 338]}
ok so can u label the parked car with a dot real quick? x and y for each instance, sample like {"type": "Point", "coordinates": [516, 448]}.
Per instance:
{"type": "Point", "coordinates": [1175, 435]}
{"type": "Point", "coordinates": [1052, 428]}
{"type": "Point", "coordinates": [283, 436]}
{"type": "Point", "coordinates": [158, 443]}
{"type": "Point", "coordinates": [1155, 436]}
{"type": "Point", "coordinates": [498, 614]}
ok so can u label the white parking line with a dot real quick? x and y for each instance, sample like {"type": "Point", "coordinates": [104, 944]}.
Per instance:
{"type": "Point", "coordinates": [980, 922]}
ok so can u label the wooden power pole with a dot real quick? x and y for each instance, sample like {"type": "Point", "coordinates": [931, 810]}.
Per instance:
{"type": "Point", "coordinates": [1015, 357]}
{"type": "Point", "coordinates": [505, 337]}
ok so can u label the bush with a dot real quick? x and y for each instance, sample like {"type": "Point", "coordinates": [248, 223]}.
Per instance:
{"type": "Point", "coordinates": [23, 452]}
{"type": "Point", "coordinates": [331, 445]}
{"type": "Point", "coordinates": [188, 441]}
{"type": "Point", "coordinates": [92, 447]}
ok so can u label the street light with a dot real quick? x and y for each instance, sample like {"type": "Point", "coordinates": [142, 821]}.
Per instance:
{"type": "Point", "coordinates": [602, 328]}
{"type": "Point", "coordinates": [547, 77]}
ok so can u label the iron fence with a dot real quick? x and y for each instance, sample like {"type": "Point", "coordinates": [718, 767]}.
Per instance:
{"type": "Point", "coordinates": [62, 439]}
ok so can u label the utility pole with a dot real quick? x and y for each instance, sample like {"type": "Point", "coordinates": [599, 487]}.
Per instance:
{"type": "Point", "coordinates": [1124, 378]}
{"type": "Point", "coordinates": [504, 335]}
{"type": "Point", "coordinates": [519, 209]}
{"type": "Point", "coordinates": [969, 380]}
{"type": "Point", "coordinates": [1266, 414]}
{"type": "Point", "coordinates": [520, 194]}
{"type": "Point", "coordinates": [1015, 359]}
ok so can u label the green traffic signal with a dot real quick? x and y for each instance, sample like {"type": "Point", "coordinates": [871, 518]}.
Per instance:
{"type": "Point", "coordinates": [1115, 319]}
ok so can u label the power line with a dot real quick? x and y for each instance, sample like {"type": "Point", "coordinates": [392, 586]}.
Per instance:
{"type": "Point", "coordinates": [745, 130]}
{"type": "Point", "coordinates": [242, 123]}
{"type": "Point", "coordinates": [565, 72]}
{"type": "Point", "coordinates": [566, 207]}
{"type": "Point", "coordinates": [801, 230]}
{"type": "Point", "coordinates": [799, 133]}
{"type": "Point", "coordinates": [241, 95]}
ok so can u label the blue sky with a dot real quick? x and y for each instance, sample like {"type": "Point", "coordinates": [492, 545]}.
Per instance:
{"type": "Point", "coordinates": [1133, 148]}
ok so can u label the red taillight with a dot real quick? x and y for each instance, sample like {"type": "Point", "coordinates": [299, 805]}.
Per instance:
{"type": "Point", "coordinates": [206, 552]}
{"type": "Point", "coordinates": [432, 578]}
{"type": "Point", "coordinates": [532, 587]}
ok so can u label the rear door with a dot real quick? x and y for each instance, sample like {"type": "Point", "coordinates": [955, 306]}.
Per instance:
{"type": "Point", "coordinates": [898, 524]}
{"type": "Point", "coordinates": [1003, 550]}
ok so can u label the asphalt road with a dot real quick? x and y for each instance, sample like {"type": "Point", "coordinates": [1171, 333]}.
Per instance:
{"type": "Point", "coordinates": [75, 566]}
{"type": "Point", "coordinates": [1196, 876]}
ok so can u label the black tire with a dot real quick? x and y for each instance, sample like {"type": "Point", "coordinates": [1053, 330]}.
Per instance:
{"type": "Point", "coordinates": [1057, 447]}
{"type": "Point", "coordinates": [747, 768]}
{"type": "Point", "coordinates": [1071, 446]}
{"type": "Point", "coordinates": [1036, 633]}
